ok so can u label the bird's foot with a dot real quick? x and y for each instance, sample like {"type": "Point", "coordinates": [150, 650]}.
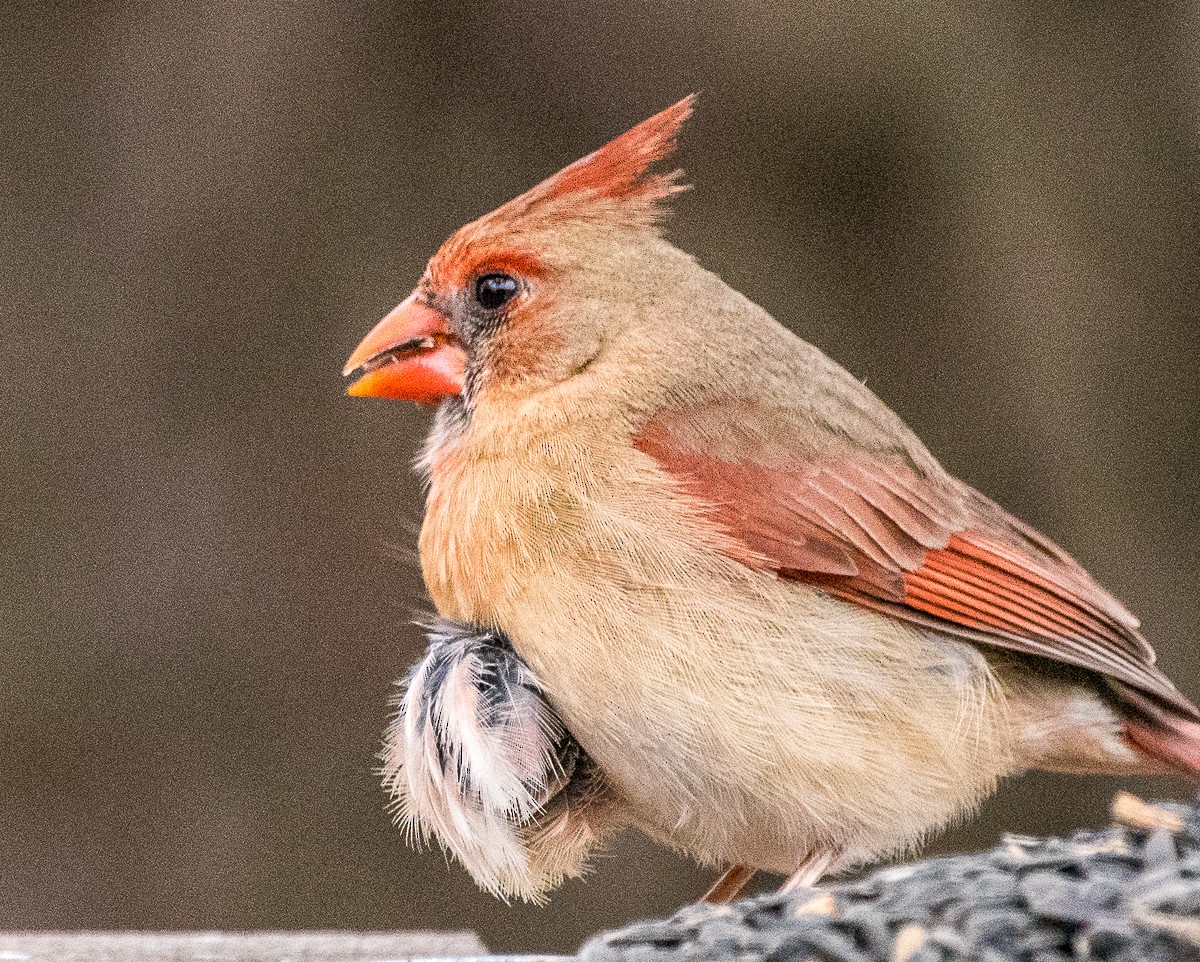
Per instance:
{"type": "Point", "coordinates": [809, 873]}
{"type": "Point", "coordinates": [729, 886]}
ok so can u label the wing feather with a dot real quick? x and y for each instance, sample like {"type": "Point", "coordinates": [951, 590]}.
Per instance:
{"type": "Point", "coordinates": [910, 542]}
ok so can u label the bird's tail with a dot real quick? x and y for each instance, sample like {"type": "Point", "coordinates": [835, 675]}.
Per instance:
{"type": "Point", "coordinates": [1167, 734]}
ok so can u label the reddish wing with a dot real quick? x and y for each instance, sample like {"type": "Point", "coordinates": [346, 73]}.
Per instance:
{"type": "Point", "coordinates": [877, 531]}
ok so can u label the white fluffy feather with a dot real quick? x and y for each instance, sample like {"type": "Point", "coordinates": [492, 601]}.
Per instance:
{"type": "Point", "coordinates": [476, 758]}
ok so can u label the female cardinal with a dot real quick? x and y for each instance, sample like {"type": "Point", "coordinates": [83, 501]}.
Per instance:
{"type": "Point", "coordinates": [783, 636]}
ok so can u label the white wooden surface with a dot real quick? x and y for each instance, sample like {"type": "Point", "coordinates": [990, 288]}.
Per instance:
{"type": "Point", "coordinates": [235, 946]}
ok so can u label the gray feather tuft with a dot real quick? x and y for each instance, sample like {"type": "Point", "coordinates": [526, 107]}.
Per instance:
{"type": "Point", "coordinates": [477, 758]}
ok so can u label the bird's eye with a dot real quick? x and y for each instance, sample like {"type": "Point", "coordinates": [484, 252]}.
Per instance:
{"type": "Point", "coordinates": [495, 290]}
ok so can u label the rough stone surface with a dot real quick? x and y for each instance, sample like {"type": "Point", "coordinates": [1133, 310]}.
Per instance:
{"type": "Point", "coordinates": [1125, 894]}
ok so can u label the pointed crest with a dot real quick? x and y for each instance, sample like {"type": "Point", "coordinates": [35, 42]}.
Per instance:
{"type": "Point", "coordinates": [613, 181]}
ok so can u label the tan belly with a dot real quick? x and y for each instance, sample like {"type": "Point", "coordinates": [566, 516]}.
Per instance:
{"type": "Point", "coordinates": [771, 725]}
{"type": "Point", "coordinates": [742, 718]}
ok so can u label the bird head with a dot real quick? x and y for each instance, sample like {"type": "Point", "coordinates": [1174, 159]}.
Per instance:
{"type": "Point", "coordinates": [528, 295]}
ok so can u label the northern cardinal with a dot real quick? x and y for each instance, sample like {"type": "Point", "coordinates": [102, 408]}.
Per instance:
{"type": "Point", "coordinates": [783, 637]}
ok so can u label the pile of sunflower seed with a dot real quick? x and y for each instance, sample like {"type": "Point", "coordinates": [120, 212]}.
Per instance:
{"type": "Point", "coordinates": [1130, 892]}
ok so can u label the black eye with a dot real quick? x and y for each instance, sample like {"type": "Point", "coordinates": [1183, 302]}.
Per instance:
{"type": "Point", "coordinates": [495, 290]}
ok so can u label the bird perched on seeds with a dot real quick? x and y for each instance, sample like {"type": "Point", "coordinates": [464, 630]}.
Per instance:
{"type": "Point", "coordinates": [781, 635]}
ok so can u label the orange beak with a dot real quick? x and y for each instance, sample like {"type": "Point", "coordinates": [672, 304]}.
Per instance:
{"type": "Point", "coordinates": [411, 355]}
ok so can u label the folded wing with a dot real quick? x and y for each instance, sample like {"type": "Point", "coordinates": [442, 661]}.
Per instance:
{"type": "Point", "coordinates": [888, 530]}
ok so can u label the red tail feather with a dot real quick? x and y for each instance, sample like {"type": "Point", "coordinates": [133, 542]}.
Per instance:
{"type": "Point", "coordinates": [1168, 739]}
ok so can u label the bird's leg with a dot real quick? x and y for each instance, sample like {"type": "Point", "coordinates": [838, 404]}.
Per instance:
{"type": "Point", "coordinates": [809, 872]}
{"type": "Point", "coordinates": [729, 885]}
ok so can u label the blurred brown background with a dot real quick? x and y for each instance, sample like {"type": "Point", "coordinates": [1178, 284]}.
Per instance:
{"type": "Point", "coordinates": [988, 211]}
